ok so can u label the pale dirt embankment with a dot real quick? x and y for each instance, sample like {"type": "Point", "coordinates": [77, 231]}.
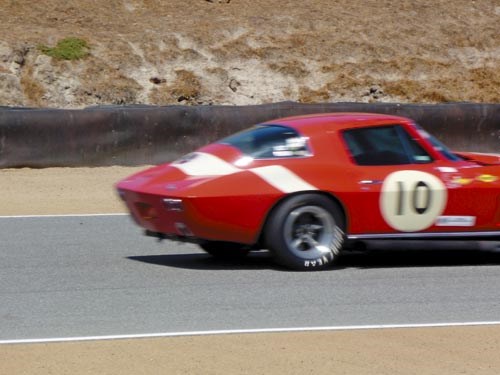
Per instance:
{"type": "Point", "coordinates": [250, 52]}
{"type": "Point", "coordinates": [443, 351]}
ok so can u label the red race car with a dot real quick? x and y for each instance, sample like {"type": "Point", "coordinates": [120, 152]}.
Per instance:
{"type": "Point", "coordinates": [304, 186]}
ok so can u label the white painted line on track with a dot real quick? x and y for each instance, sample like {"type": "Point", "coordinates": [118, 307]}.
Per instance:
{"type": "Point", "coordinates": [62, 215]}
{"type": "Point", "coordinates": [246, 331]}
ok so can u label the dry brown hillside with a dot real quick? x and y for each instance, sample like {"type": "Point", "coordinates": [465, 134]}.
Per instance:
{"type": "Point", "coordinates": [250, 51]}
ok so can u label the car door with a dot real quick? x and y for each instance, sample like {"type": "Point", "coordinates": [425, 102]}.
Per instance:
{"type": "Point", "coordinates": [405, 185]}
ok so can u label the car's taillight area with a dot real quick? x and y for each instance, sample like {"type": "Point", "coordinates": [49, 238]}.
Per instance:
{"type": "Point", "coordinates": [172, 204]}
{"type": "Point", "coordinates": [146, 211]}
{"type": "Point", "coordinates": [159, 214]}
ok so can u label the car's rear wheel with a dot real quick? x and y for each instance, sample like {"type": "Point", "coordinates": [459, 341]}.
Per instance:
{"type": "Point", "coordinates": [225, 250]}
{"type": "Point", "coordinates": [306, 232]}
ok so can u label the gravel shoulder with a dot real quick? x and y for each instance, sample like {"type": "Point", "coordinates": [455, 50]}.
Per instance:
{"type": "Point", "coordinates": [452, 350]}
{"type": "Point", "coordinates": [465, 350]}
{"type": "Point", "coordinates": [60, 191]}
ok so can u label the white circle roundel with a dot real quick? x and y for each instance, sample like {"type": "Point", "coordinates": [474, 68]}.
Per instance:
{"type": "Point", "coordinates": [412, 200]}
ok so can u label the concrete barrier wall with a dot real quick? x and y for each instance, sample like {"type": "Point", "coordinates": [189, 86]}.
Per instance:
{"type": "Point", "coordinates": [151, 135]}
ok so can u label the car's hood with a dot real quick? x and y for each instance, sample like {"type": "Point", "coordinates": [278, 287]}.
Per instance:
{"type": "Point", "coordinates": [484, 159]}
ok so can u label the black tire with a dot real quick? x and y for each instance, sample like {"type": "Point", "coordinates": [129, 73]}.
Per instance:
{"type": "Point", "coordinates": [225, 250]}
{"type": "Point", "coordinates": [306, 232]}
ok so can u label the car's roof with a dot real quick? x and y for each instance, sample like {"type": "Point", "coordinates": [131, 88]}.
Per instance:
{"type": "Point", "coordinates": [337, 120]}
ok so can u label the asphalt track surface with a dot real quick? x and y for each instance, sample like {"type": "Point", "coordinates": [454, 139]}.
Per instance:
{"type": "Point", "coordinates": [97, 275]}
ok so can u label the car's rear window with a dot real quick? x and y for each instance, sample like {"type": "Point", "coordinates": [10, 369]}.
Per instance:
{"type": "Point", "coordinates": [269, 141]}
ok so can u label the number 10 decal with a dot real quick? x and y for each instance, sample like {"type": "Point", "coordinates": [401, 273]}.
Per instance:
{"type": "Point", "coordinates": [420, 189]}
{"type": "Point", "coordinates": [412, 200]}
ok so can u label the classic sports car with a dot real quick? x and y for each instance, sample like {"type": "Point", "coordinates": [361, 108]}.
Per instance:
{"type": "Point", "coordinates": [303, 186]}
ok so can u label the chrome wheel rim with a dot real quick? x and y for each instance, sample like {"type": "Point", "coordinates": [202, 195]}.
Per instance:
{"type": "Point", "coordinates": [309, 232]}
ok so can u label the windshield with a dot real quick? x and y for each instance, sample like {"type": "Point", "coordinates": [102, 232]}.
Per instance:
{"type": "Point", "coordinates": [440, 147]}
{"type": "Point", "coordinates": [269, 141]}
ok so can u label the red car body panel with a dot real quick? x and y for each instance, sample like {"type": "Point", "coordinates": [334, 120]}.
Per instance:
{"type": "Point", "coordinates": [225, 200]}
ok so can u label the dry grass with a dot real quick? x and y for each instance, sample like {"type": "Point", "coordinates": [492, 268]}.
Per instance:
{"type": "Point", "coordinates": [294, 69]}
{"type": "Point", "coordinates": [185, 89]}
{"type": "Point", "coordinates": [417, 51]}
{"type": "Point", "coordinates": [100, 83]}
{"type": "Point", "coordinates": [307, 95]}
{"type": "Point", "coordinates": [32, 89]}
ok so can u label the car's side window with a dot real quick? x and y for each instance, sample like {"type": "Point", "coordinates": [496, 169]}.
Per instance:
{"type": "Point", "coordinates": [384, 145]}
{"type": "Point", "coordinates": [417, 153]}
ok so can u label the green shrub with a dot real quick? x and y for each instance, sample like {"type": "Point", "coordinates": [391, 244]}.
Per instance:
{"type": "Point", "coordinates": [67, 49]}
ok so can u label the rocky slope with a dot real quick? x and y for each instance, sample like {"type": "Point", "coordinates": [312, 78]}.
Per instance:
{"type": "Point", "coordinates": [250, 52]}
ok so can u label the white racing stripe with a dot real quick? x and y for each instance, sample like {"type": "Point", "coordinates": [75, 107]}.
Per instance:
{"type": "Point", "coordinates": [248, 331]}
{"type": "Point", "coordinates": [203, 164]}
{"type": "Point", "coordinates": [282, 179]}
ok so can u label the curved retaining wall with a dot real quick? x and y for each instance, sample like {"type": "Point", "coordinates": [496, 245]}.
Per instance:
{"type": "Point", "coordinates": [150, 135]}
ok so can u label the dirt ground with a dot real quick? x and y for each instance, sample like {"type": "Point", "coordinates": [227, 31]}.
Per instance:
{"type": "Point", "coordinates": [422, 351]}
{"type": "Point", "coordinates": [439, 351]}
{"type": "Point", "coordinates": [59, 191]}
